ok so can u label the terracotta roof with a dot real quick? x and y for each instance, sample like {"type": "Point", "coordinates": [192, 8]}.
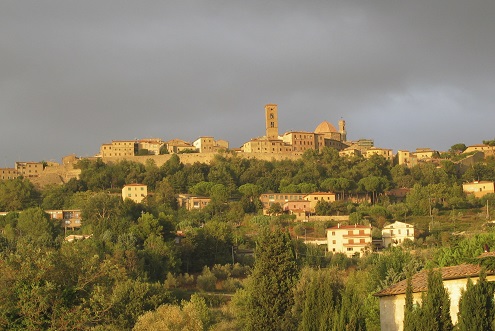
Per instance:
{"type": "Point", "coordinates": [419, 280]}
{"type": "Point", "coordinates": [356, 226]}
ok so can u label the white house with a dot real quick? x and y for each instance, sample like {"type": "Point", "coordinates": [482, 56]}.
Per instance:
{"type": "Point", "coordinates": [395, 233]}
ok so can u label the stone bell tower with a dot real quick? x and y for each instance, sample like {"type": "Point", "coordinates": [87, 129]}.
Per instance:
{"type": "Point", "coordinates": [343, 132]}
{"type": "Point", "coordinates": [271, 118]}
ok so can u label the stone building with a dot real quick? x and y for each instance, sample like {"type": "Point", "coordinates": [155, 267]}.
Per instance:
{"type": "Point", "coordinates": [29, 169]}
{"type": "Point", "coordinates": [8, 173]}
{"type": "Point", "coordinates": [119, 148]}
{"type": "Point", "coordinates": [152, 145]}
{"type": "Point", "coordinates": [177, 145]}
{"type": "Point", "coordinates": [208, 144]}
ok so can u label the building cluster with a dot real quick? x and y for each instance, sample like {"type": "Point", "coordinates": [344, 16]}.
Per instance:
{"type": "Point", "coordinates": [156, 146]}
{"type": "Point", "coordinates": [24, 169]}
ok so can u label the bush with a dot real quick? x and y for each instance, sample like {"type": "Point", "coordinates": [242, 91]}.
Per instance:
{"type": "Point", "coordinates": [221, 272]}
{"type": "Point", "coordinates": [206, 281]}
{"type": "Point", "coordinates": [170, 282]}
{"type": "Point", "coordinates": [239, 270]}
{"type": "Point", "coordinates": [185, 280]}
{"type": "Point", "coordinates": [231, 285]}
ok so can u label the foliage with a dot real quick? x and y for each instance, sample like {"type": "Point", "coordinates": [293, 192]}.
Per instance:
{"type": "Point", "coordinates": [434, 312]}
{"type": "Point", "coordinates": [269, 291]}
{"type": "Point", "coordinates": [476, 306]}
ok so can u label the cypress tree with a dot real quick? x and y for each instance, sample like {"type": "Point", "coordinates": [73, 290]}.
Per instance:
{"type": "Point", "coordinates": [476, 306]}
{"type": "Point", "coordinates": [408, 308]}
{"type": "Point", "coordinates": [435, 309]}
{"type": "Point", "coordinates": [275, 272]}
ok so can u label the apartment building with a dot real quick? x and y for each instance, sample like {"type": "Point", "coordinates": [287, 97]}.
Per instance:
{"type": "Point", "coordinates": [135, 192]}
{"type": "Point", "coordinates": [29, 169]}
{"type": "Point", "coordinates": [349, 239]}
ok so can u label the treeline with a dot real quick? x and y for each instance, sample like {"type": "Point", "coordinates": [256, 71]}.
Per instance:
{"type": "Point", "coordinates": [231, 177]}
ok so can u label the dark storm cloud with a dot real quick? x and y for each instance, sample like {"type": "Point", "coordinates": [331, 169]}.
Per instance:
{"type": "Point", "coordinates": [407, 74]}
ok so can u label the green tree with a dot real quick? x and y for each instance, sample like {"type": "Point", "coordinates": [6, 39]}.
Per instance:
{"type": "Point", "coordinates": [434, 312]}
{"type": "Point", "coordinates": [275, 272]}
{"type": "Point", "coordinates": [476, 306]}
{"type": "Point", "coordinates": [317, 298]}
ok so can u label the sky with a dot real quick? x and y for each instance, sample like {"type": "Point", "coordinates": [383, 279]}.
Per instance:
{"type": "Point", "coordinates": [407, 74]}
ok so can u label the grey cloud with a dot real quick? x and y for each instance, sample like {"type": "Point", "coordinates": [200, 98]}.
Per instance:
{"type": "Point", "coordinates": [398, 72]}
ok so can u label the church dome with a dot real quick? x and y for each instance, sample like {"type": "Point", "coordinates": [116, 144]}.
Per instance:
{"type": "Point", "coordinates": [325, 127]}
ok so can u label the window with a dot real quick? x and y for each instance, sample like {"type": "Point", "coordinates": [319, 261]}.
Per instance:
{"type": "Point", "coordinates": [350, 249]}
{"type": "Point", "coordinates": [351, 241]}
{"type": "Point", "coordinates": [333, 233]}
{"type": "Point", "coordinates": [334, 242]}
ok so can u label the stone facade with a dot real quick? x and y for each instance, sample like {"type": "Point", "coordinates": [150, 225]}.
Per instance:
{"type": "Point", "coordinates": [8, 173]}
{"type": "Point", "coordinates": [210, 145]}
{"type": "Point", "coordinates": [29, 169]}
{"type": "Point", "coordinates": [119, 148]}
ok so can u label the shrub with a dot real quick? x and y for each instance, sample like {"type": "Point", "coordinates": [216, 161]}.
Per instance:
{"type": "Point", "coordinates": [206, 281]}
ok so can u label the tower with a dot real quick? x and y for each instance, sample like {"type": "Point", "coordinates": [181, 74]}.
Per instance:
{"type": "Point", "coordinates": [271, 117]}
{"type": "Point", "coordinates": [343, 132]}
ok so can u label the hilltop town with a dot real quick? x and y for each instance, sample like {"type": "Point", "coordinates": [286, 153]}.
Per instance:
{"type": "Point", "coordinates": [272, 146]}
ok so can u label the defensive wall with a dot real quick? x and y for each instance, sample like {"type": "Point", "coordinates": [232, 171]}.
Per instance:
{"type": "Point", "coordinates": [190, 158]}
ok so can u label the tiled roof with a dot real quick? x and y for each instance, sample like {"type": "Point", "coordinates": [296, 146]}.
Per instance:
{"type": "Point", "coordinates": [419, 280]}
{"type": "Point", "coordinates": [356, 226]}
